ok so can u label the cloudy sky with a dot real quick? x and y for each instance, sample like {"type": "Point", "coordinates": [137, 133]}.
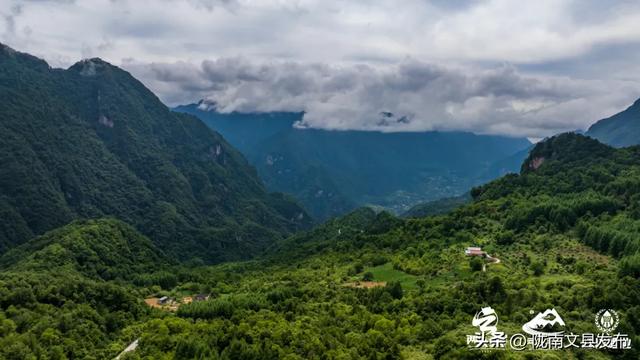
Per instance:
{"type": "Point", "coordinates": [523, 68]}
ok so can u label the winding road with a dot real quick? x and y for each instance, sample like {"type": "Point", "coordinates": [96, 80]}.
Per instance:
{"type": "Point", "coordinates": [492, 260]}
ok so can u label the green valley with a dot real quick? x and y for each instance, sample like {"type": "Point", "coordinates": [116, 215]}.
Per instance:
{"type": "Point", "coordinates": [566, 234]}
{"type": "Point", "coordinates": [127, 226]}
{"type": "Point", "coordinates": [332, 172]}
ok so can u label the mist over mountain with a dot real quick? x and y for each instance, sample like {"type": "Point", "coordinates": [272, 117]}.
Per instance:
{"type": "Point", "coordinates": [245, 131]}
{"type": "Point", "coordinates": [332, 172]}
{"type": "Point", "coordinates": [92, 141]}
{"type": "Point", "coordinates": [377, 180]}
{"type": "Point", "coordinates": [110, 203]}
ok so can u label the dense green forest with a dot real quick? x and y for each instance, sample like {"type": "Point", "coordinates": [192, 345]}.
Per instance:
{"type": "Point", "coordinates": [111, 205]}
{"type": "Point", "coordinates": [437, 207]}
{"type": "Point", "coordinates": [565, 229]}
{"type": "Point", "coordinates": [92, 141]}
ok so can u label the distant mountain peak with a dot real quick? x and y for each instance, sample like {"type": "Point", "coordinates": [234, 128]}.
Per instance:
{"type": "Point", "coordinates": [7, 48]}
{"type": "Point", "coordinates": [619, 130]}
{"type": "Point", "coordinates": [7, 53]}
{"type": "Point", "coordinates": [565, 147]}
{"type": "Point", "coordinates": [388, 118]}
{"type": "Point", "coordinates": [207, 105]}
{"type": "Point", "coordinates": [91, 67]}
{"type": "Point", "coordinates": [96, 60]}
{"type": "Point", "coordinates": [127, 156]}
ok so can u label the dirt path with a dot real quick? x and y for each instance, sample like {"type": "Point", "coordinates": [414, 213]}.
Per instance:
{"type": "Point", "coordinates": [492, 260]}
{"type": "Point", "coordinates": [366, 284]}
{"type": "Point", "coordinates": [130, 348]}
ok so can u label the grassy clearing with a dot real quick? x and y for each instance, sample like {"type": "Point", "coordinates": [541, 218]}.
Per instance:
{"type": "Point", "coordinates": [388, 274]}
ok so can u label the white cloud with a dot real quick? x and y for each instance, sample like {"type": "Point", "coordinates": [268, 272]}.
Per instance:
{"type": "Point", "coordinates": [481, 65]}
{"type": "Point", "coordinates": [324, 31]}
{"type": "Point", "coordinates": [421, 96]}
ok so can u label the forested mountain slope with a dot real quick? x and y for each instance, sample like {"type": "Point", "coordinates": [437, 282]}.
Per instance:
{"type": "Point", "coordinates": [437, 207]}
{"type": "Point", "coordinates": [245, 131]}
{"type": "Point", "coordinates": [105, 249]}
{"type": "Point", "coordinates": [92, 141]}
{"type": "Point", "coordinates": [371, 285]}
{"type": "Point", "coordinates": [621, 129]}
{"type": "Point", "coordinates": [68, 294]}
{"type": "Point", "coordinates": [566, 231]}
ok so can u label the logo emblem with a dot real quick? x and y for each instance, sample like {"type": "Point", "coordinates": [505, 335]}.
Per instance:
{"type": "Point", "coordinates": [545, 323]}
{"type": "Point", "coordinates": [487, 320]}
{"type": "Point", "coordinates": [607, 320]}
{"type": "Point", "coordinates": [488, 337]}
{"type": "Point", "coordinates": [546, 331]}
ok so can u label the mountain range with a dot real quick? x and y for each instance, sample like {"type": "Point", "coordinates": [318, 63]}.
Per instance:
{"type": "Point", "coordinates": [92, 141]}
{"type": "Point", "coordinates": [366, 285]}
{"type": "Point", "coordinates": [107, 197]}
{"type": "Point", "coordinates": [332, 172]}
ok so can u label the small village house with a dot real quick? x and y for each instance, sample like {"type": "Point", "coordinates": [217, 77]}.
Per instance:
{"type": "Point", "coordinates": [201, 297]}
{"type": "Point", "coordinates": [163, 300]}
{"type": "Point", "coordinates": [474, 251]}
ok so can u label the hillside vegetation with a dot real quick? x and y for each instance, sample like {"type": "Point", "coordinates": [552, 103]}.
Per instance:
{"type": "Point", "coordinates": [566, 234]}
{"type": "Point", "coordinates": [565, 229]}
{"type": "Point", "coordinates": [103, 191]}
{"type": "Point", "coordinates": [68, 294]}
{"type": "Point", "coordinates": [92, 141]}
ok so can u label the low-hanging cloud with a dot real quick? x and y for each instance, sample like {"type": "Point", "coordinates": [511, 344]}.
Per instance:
{"type": "Point", "coordinates": [407, 96]}
{"type": "Point", "coordinates": [375, 64]}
